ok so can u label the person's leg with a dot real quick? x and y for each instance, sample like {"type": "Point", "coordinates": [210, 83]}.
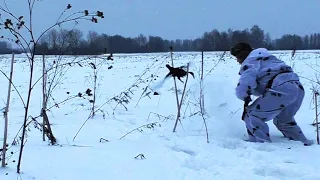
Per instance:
{"type": "Point", "coordinates": [257, 128]}
{"type": "Point", "coordinates": [286, 123]}
{"type": "Point", "coordinates": [266, 108]}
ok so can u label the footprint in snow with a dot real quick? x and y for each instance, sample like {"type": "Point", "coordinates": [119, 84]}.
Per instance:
{"type": "Point", "coordinates": [266, 148]}
{"type": "Point", "coordinates": [187, 151]}
{"type": "Point", "coordinates": [232, 144]}
{"type": "Point", "coordinates": [281, 171]}
{"type": "Point", "coordinates": [223, 105]}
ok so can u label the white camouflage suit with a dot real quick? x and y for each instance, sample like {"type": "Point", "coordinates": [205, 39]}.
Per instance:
{"type": "Point", "coordinates": [280, 102]}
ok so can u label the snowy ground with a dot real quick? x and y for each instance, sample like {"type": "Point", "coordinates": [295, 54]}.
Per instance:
{"type": "Point", "coordinates": [183, 155]}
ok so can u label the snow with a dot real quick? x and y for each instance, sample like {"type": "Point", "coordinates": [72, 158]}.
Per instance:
{"type": "Point", "coordinates": [182, 155]}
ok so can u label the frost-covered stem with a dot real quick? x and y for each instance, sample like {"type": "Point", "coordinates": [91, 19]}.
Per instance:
{"type": "Point", "coordinates": [44, 97]}
{"type": "Point", "coordinates": [5, 135]}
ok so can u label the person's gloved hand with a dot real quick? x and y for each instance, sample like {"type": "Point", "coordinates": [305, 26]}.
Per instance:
{"type": "Point", "coordinates": [247, 99]}
{"type": "Point", "coordinates": [246, 103]}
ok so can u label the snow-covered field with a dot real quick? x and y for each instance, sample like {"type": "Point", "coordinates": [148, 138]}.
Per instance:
{"type": "Point", "coordinates": [182, 155]}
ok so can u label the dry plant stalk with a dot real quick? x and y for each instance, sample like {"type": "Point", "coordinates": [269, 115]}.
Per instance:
{"type": "Point", "coordinates": [220, 59]}
{"type": "Point", "coordinates": [44, 95]}
{"type": "Point", "coordinates": [176, 92]}
{"type": "Point", "coordinates": [149, 125]}
{"type": "Point", "coordinates": [316, 109]}
{"type": "Point", "coordinates": [96, 67]}
{"type": "Point", "coordinates": [201, 87]}
{"type": "Point", "coordinates": [175, 83]}
{"type": "Point", "coordinates": [5, 135]}
{"type": "Point", "coordinates": [29, 42]}
{"type": "Point", "coordinates": [293, 53]}
{"type": "Point", "coordinates": [202, 111]}
{"type": "Point", "coordinates": [181, 100]}
{"type": "Point", "coordinates": [46, 127]}
{"type": "Point", "coordinates": [95, 72]}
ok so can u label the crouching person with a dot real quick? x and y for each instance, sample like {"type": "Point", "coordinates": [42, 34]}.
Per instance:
{"type": "Point", "coordinates": [279, 90]}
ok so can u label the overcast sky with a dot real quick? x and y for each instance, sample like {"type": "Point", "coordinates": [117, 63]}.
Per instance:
{"type": "Point", "coordinates": [173, 19]}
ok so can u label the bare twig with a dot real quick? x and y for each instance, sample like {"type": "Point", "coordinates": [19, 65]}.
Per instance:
{"type": "Point", "coordinates": [89, 117]}
{"type": "Point", "coordinates": [124, 97]}
{"type": "Point", "coordinates": [159, 116]}
{"type": "Point", "coordinates": [149, 125]}
{"type": "Point", "coordinates": [14, 86]}
{"type": "Point", "coordinates": [152, 77]}
{"type": "Point", "coordinates": [316, 110]}
{"type": "Point", "coordinates": [217, 63]}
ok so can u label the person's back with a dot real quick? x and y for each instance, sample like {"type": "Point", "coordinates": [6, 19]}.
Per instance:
{"type": "Point", "coordinates": [265, 67]}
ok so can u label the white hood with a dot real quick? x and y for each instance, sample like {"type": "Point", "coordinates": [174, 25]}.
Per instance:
{"type": "Point", "coordinates": [259, 52]}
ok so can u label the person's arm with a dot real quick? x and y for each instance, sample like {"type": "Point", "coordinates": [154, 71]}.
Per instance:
{"type": "Point", "coordinates": [247, 81]}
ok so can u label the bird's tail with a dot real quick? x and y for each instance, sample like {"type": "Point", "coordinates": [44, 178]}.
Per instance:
{"type": "Point", "coordinates": [191, 73]}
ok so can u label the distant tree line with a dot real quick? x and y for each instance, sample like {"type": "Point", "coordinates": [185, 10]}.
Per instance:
{"type": "Point", "coordinates": [74, 42]}
{"type": "Point", "coordinates": [5, 48]}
